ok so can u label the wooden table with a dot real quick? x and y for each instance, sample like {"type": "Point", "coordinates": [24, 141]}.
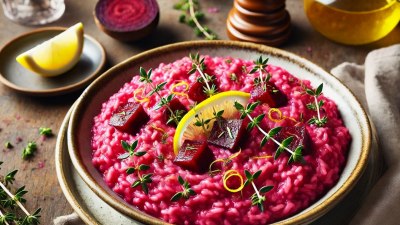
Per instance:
{"type": "Point", "coordinates": [21, 115]}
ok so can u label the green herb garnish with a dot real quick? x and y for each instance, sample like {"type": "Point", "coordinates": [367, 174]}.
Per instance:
{"type": "Point", "coordinates": [316, 106]}
{"type": "Point", "coordinates": [45, 131]}
{"type": "Point", "coordinates": [9, 202]}
{"type": "Point", "coordinates": [260, 65]}
{"type": "Point", "coordinates": [296, 155]}
{"type": "Point", "coordinates": [191, 15]}
{"type": "Point", "coordinates": [257, 198]}
{"type": "Point", "coordinates": [145, 77]}
{"type": "Point", "coordinates": [186, 193]}
{"type": "Point", "coordinates": [204, 123]}
{"type": "Point", "coordinates": [143, 179]}
{"type": "Point", "coordinates": [29, 150]}
{"type": "Point", "coordinates": [198, 65]}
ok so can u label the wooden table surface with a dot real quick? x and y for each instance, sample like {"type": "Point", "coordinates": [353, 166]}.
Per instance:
{"type": "Point", "coordinates": [21, 115]}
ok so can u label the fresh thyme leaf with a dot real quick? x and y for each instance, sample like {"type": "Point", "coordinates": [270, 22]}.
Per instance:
{"type": "Point", "coordinates": [274, 131]}
{"type": "Point", "coordinates": [136, 183]}
{"type": "Point", "coordinates": [145, 188]}
{"type": "Point", "coordinates": [255, 123]}
{"type": "Point", "coordinates": [45, 131]}
{"type": "Point", "coordinates": [10, 177]}
{"type": "Point", "coordinates": [32, 219]}
{"type": "Point", "coordinates": [192, 17]}
{"type": "Point", "coordinates": [264, 140]}
{"type": "Point", "coordinates": [316, 106]}
{"type": "Point", "coordinates": [176, 197]}
{"type": "Point", "coordinates": [256, 174]}
{"type": "Point", "coordinates": [257, 199]}
{"type": "Point", "coordinates": [265, 189]}
{"type": "Point", "coordinates": [318, 92]}
{"type": "Point", "coordinates": [180, 180]}
{"type": "Point", "coordinates": [143, 167]}
{"type": "Point", "coordinates": [141, 153]}
{"type": "Point", "coordinates": [186, 193]}
{"type": "Point", "coordinates": [130, 170]}
{"type": "Point", "coordinates": [29, 150]}
{"type": "Point", "coordinates": [130, 150]}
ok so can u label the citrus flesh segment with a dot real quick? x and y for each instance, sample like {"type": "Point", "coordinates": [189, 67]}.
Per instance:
{"type": "Point", "coordinates": [55, 56]}
{"type": "Point", "coordinates": [186, 129]}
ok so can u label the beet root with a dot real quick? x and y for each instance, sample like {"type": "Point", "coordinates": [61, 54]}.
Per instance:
{"type": "Point", "coordinates": [271, 95]}
{"type": "Point", "coordinates": [129, 118]}
{"type": "Point", "coordinates": [194, 156]}
{"type": "Point", "coordinates": [127, 20]}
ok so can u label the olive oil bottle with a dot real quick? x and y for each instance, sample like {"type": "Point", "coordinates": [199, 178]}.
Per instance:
{"type": "Point", "coordinates": [353, 22]}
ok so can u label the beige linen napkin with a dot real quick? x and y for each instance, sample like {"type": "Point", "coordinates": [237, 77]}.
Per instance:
{"type": "Point", "coordinates": [377, 85]}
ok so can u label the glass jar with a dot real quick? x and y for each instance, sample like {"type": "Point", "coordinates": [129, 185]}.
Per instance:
{"type": "Point", "coordinates": [33, 12]}
{"type": "Point", "coordinates": [353, 22]}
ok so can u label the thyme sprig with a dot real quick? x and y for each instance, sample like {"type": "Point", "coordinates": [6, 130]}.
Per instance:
{"type": "Point", "coordinates": [145, 77]}
{"type": "Point", "coordinates": [187, 190]}
{"type": "Point", "coordinates": [198, 65]}
{"type": "Point", "coordinates": [9, 202]}
{"type": "Point", "coordinates": [316, 106]}
{"type": "Point", "coordinates": [143, 179]}
{"type": "Point", "coordinates": [260, 65]}
{"type": "Point", "coordinates": [295, 155]}
{"type": "Point", "coordinates": [204, 123]}
{"type": "Point", "coordinates": [257, 198]}
{"type": "Point", "coordinates": [191, 15]}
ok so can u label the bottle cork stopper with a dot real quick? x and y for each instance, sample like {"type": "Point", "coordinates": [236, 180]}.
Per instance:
{"type": "Point", "coordinates": [260, 21]}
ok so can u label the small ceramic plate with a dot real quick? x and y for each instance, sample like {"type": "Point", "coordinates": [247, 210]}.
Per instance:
{"type": "Point", "coordinates": [94, 211]}
{"type": "Point", "coordinates": [16, 77]}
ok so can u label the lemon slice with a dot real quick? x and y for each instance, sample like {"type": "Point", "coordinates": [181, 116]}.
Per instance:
{"type": "Point", "coordinates": [55, 56]}
{"type": "Point", "coordinates": [186, 129]}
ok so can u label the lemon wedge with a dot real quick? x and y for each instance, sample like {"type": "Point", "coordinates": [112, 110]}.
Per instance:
{"type": "Point", "coordinates": [186, 129]}
{"type": "Point", "coordinates": [55, 56]}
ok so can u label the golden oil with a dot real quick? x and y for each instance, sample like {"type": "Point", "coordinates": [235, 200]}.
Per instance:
{"type": "Point", "coordinates": [353, 22]}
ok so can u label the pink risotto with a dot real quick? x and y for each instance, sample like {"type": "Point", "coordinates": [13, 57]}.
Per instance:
{"type": "Point", "coordinates": [296, 185]}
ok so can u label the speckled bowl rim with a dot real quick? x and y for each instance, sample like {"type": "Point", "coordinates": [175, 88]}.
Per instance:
{"type": "Point", "coordinates": [62, 177]}
{"type": "Point", "coordinates": [300, 218]}
{"type": "Point", "coordinates": [59, 90]}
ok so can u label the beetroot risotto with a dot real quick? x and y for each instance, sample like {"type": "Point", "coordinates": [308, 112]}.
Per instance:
{"type": "Point", "coordinates": [219, 140]}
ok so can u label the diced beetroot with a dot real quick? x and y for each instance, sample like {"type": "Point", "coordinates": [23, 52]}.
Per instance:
{"type": "Point", "coordinates": [175, 105]}
{"type": "Point", "coordinates": [129, 118]}
{"type": "Point", "coordinates": [194, 156]}
{"type": "Point", "coordinates": [196, 92]}
{"type": "Point", "coordinates": [227, 133]}
{"type": "Point", "coordinates": [271, 96]}
{"type": "Point", "coordinates": [300, 137]}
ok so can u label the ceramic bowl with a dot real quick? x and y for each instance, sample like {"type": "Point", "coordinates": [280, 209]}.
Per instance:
{"type": "Point", "coordinates": [89, 105]}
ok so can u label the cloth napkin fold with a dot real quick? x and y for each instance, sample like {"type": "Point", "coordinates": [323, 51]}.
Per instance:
{"type": "Point", "coordinates": [377, 85]}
